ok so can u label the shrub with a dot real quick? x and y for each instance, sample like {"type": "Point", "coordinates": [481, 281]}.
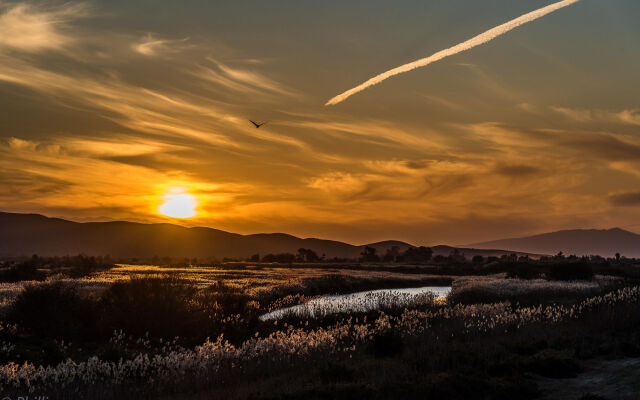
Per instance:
{"type": "Point", "coordinates": [166, 307]}
{"type": "Point", "coordinates": [556, 368]}
{"type": "Point", "coordinates": [162, 306]}
{"type": "Point", "coordinates": [460, 386]}
{"type": "Point", "coordinates": [386, 344]}
{"type": "Point", "coordinates": [82, 265]}
{"type": "Point", "coordinates": [334, 372]}
{"type": "Point", "coordinates": [577, 271]}
{"type": "Point", "coordinates": [284, 258]}
{"type": "Point", "coordinates": [467, 385]}
{"type": "Point", "coordinates": [55, 310]}
{"type": "Point", "coordinates": [25, 271]}
{"type": "Point", "coordinates": [523, 271]}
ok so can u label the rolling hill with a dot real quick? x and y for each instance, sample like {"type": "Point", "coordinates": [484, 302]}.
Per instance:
{"type": "Point", "coordinates": [26, 234]}
{"type": "Point", "coordinates": [604, 242]}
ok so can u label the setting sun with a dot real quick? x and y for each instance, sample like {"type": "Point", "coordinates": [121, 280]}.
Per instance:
{"type": "Point", "coordinates": [178, 204]}
{"type": "Point", "coordinates": [291, 199]}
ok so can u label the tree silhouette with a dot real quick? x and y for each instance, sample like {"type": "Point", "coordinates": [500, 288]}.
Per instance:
{"type": "Point", "coordinates": [392, 254]}
{"type": "Point", "coordinates": [417, 255]}
{"type": "Point", "coordinates": [369, 255]}
{"type": "Point", "coordinates": [307, 255]}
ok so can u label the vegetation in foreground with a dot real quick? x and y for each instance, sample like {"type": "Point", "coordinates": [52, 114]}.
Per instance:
{"type": "Point", "coordinates": [151, 336]}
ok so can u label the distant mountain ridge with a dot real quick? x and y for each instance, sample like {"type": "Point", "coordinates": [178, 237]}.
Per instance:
{"type": "Point", "coordinates": [26, 234]}
{"type": "Point", "coordinates": [604, 242]}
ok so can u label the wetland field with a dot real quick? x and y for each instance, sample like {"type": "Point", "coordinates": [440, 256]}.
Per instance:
{"type": "Point", "coordinates": [497, 330]}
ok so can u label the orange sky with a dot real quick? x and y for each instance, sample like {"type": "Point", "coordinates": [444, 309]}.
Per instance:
{"type": "Point", "coordinates": [106, 107]}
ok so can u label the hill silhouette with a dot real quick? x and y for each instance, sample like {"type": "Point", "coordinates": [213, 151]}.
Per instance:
{"type": "Point", "coordinates": [26, 234]}
{"type": "Point", "coordinates": [604, 242]}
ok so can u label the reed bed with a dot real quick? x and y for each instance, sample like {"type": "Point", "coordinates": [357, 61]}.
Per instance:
{"type": "Point", "coordinates": [205, 363]}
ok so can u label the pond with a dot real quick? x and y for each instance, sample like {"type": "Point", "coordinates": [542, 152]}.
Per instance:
{"type": "Point", "coordinates": [360, 302]}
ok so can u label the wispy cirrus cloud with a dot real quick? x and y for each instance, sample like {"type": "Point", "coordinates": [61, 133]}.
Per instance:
{"type": "Point", "coordinates": [31, 28]}
{"type": "Point", "coordinates": [241, 80]}
{"type": "Point", "coordinates": [152, 46]}
{"type": "Point", "coordinates": [117, 146]}
{"type": "Point", "coordinates": [159, 108]}
{"type": "Point", "coordinates": [98, 118]}
{"type": "Point", "coordinates": [588, 116]}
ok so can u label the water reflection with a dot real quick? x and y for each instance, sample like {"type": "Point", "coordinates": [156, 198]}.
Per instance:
{"type": "Point", "coordinates": [360, 301]}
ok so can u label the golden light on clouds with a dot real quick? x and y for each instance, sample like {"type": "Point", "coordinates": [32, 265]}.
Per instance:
{"type": "Point", "coordinates": [178, 203]}
{"type": "Point", "coordinates": [105, 121]}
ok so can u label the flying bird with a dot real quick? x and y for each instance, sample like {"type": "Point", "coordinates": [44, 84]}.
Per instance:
{"type": "Point", "coordinates": [257, 125]}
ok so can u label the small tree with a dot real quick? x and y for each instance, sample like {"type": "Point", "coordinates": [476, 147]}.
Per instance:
{"type": "Point", "coordinates": [283, 258]}
{"type": "Point", "coordinates": [307, 255]}
{"type": "Point", "coordinates": [456, 256]}
{"type": "Point", "coordinates": [369, 255]}
{"type": "Point", "coordinates": [417, 255]}
{"type": "Point", "coordinates": [392, 254]}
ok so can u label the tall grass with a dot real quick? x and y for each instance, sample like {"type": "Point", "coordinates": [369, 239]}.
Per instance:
{"type": "Point", "coordinates": [494, 289]}
{"type": "Point", "coordinates": [210, 364]}
{"type": "Point", "coordinates": [154, 306]}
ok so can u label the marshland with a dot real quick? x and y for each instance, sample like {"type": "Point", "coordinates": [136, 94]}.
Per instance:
{"type": "Point", "coordinates": [502, 328]}
{"type": "Point", "coordinates": [281, 200]}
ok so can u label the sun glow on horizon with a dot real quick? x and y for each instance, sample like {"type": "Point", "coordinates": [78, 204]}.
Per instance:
{"type": "Point", "coordinates": [178, 204]}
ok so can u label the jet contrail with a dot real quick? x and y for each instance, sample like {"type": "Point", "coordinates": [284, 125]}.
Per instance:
{"type": "Point", "coordinates": [469, 44]}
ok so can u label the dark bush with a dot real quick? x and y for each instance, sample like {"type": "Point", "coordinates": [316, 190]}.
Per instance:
{"type": "Point", "coordinates": [576, 271]}
{"type": "Point", "coordinates": [334, 373]}
{"type": "Point", "coordinates": [25, 271]}
{"type": "Point", "coordinates": [523, 271]}
{"type": "Point", "coordinates": [55, 310]}
{"type": "Point", "coordinates": [439, 259]}
{"type": "Point", "coordinates": [467, 386]}
{"type": "Point", "coordinates": [386, 344]}
{"type": "Point", "coordinates": [284, 258]}
{"type": "Point", "coordinates": [166, 307]}
{"type": "Point", "coordinates": [82, 265]}
{"type": "Point", "coordinates": [52, 354]}
{"type": "Point", "coordinates": [162, 306]}
{"type": "Point", "coordinates": [529, 348]}
{"type": "Point", "coordinates": [460, 386]}
{"type": "Point", "coordinates": [417, 255]}
{"type": "Point", "coordinates": [556, 368]}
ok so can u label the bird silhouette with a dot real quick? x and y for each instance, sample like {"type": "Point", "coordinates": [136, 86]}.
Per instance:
{"type": "Point", "coordinates": [257, 125]}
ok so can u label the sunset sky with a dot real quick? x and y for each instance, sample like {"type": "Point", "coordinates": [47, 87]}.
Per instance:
{"type": "Point", "coordinates": [108, 107]}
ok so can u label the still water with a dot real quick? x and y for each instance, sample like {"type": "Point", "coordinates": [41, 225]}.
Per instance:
{"type": "Point", "coordinates": [359, 302]}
